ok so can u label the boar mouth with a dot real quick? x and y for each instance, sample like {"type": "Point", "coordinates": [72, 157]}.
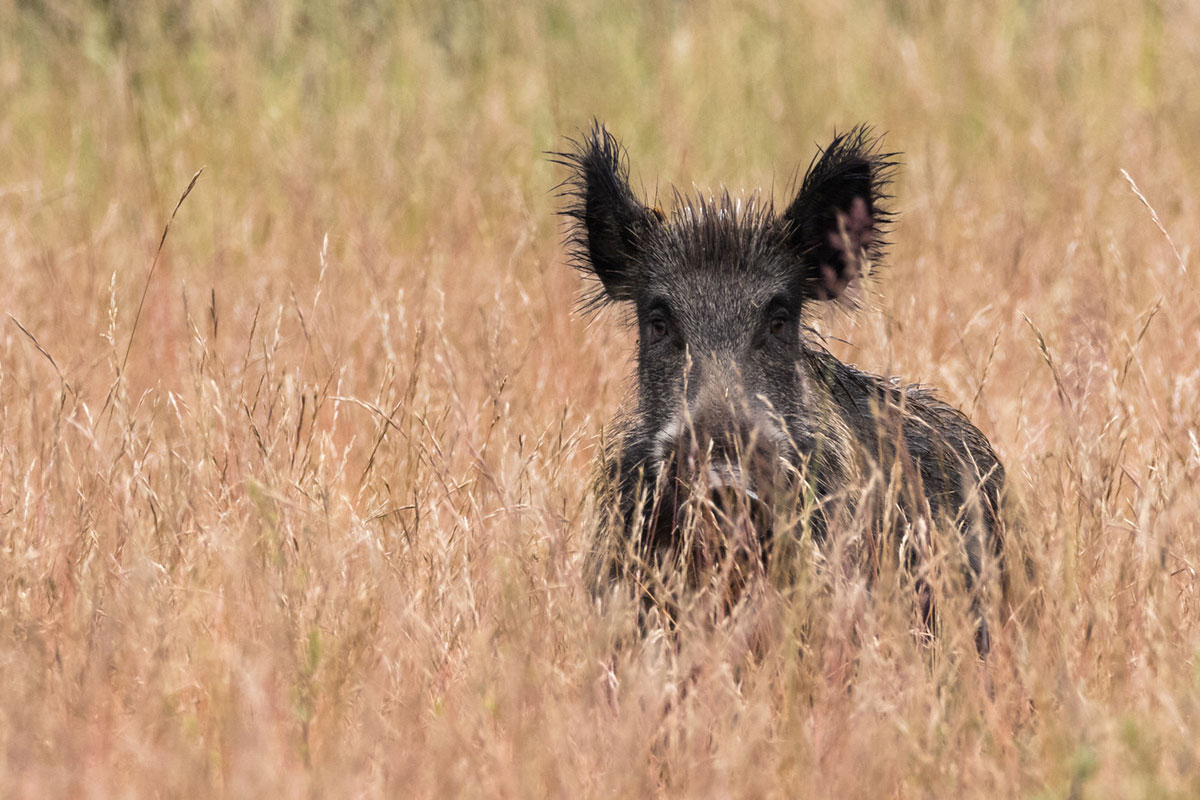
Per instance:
{"type": "Point", "coordinates": [739, 510]}
{"type": "Point", "coordinates": [715, 513]}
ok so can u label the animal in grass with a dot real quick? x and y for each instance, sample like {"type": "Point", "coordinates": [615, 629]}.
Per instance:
{"type": "Point", "coordinates": [745, 436]}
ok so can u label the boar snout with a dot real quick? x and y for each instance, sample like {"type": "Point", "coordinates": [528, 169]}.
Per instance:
{"type": "Point", "coordinates": [724, 459]}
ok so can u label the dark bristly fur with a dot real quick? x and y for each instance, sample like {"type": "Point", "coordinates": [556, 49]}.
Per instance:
{"type": "Point", "coordinates": [852, 165]}
{"type": "Point", "coordinates": [599, 175]}
{"type": "Point", "coordinates": [742, 427]}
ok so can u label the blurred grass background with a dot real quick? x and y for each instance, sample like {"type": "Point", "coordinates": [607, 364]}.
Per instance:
{"type": "Point", "coordinates": [319, 534]}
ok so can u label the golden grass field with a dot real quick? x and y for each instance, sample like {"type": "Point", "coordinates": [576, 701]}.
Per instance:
{"type": "Point", "coordinates": [297, 508]}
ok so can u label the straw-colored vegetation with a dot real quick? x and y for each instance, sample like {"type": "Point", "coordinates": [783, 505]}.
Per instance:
{"type": "Point", "coordinates": [297, 506]}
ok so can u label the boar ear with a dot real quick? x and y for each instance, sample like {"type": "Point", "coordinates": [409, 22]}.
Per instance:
{"type": "Point", "coordinates": [836, 224]}
{"type": "Point", "coordinates": [608, 226]}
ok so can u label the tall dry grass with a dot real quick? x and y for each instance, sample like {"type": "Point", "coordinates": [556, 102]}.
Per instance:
{"type": "Point", "coordinates": [310, 523]}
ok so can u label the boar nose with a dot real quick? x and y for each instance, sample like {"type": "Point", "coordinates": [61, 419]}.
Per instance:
{"type": "Point", "coordinates": [719, 418]}
{"type": "Point", "coordinates": [726, 465]}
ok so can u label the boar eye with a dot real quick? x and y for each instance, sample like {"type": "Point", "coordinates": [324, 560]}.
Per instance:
{"type": "Point", "coordinates": [779, 323]}
{"type": "Point", "coordinates": [659, 324]}
{"type": "Point", "coordinates": [657, 329]}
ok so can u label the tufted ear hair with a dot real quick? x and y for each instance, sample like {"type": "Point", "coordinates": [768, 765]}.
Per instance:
{"type": "Point", "coordinates": [835, 224]}
{"type": "Point", "coordinates": [608, 225]}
